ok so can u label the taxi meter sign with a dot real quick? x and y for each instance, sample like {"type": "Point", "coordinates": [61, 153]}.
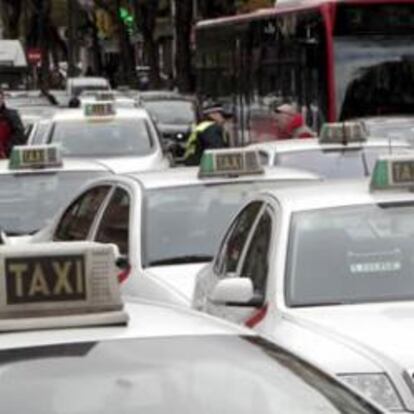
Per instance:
{"type": "Point", "coordinates": [393, 172]}
{"type": "Point", "coordinates": [59, 284]}
{"type": "Point", "coordinates": [342, 133]}
{"type": "Point", "coordinates": [229, 162]}
{"type": "Point", "coordinates": [45, 279]}
{"type": "Point", "coordinates": [36, 156]}
{"type": "Point", "coordinates": [99, 109]}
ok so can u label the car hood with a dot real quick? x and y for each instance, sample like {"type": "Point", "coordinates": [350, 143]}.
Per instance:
{"type": "Point", "coordinates": [180, 278]}
{"type": "Point", "coordinates": [385, 330]}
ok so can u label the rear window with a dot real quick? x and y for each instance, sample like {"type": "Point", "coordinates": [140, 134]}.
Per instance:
{"type": "Point", "coordinates": [28, 201]}
{"type": "Point", "coordinates": [114, 137]}
{"type": "Point", "coordinates": [349, 163]}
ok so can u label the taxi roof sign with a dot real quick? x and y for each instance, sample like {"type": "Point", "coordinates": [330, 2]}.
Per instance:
{"type": "Point", "coordinates": [35, 156]}
{"type": "Point", "coordinates": [343, 133]}
{"type": "Point", "coordinates": [99, 109]}
{"type": "Point", "coordinates": [393, 171]}
{"type": "Point", "coordinates": [229, 162]}
{"type": "Point", "coordinates": [59, 284]}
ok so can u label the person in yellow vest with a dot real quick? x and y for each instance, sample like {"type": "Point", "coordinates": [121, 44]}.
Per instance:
{"type": "Point", "coordinates": [209, 133]}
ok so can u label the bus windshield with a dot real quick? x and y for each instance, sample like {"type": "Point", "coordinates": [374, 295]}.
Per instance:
{"type": "Point", "coordinates": [372, 74]}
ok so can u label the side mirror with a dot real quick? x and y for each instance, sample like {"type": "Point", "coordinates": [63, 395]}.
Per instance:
{"type": "Point", "coordinates": [238, 291]}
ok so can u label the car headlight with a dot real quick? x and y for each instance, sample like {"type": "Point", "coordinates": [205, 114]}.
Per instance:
{"type": "Point", "coordinates": [180, 136]}
{"type": "Point", "coordinates": [377, 387]}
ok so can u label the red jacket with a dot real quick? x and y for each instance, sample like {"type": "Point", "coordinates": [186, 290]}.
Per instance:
{"type": "Point", "coordinates": [296, 129]}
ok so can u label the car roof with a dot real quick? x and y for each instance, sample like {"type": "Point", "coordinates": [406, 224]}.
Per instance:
{"type": "Point", "coordinates": [146, 320]}
{"type": "Point", "coordinates": [309, 144]}
{"type": "Point", "coordinates": [88, 80]}
{"type": "Point", "coordinates": [162, 95]}
{"type": "Point", "coordinates": [385, 119]}
{"type": "Point", "coordinates": [335, 193]}
{"type": "Point", "coordinates": [183, 176]}
{"type": "Point", "coordinates": [121, 113]}
{"type": "Point", "coordinates": [69, 165]}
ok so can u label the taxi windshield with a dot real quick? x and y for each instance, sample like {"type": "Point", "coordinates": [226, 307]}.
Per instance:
{"type": "Point", "coordinates": [175, 112]}
{"type": "Point", "coordinates": [355, 254]}
{"type": "Point", "coordinates": [184, 224]}
{"type": "Point", "coordinates": [175, 375]}
{"type": "Point", "coordinates": [103, 138]}
{"type": "Point", "coordinates": [346, 163]}
{"type": "Point", "coordinates": [28, 201]}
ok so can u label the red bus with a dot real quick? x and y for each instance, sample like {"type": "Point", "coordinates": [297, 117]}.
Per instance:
{"type": "Point", "coordinates": [334, 59]}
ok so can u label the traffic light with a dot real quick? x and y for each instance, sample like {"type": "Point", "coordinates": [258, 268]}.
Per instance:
{"type": "Point", "coordinates": [128, 19]}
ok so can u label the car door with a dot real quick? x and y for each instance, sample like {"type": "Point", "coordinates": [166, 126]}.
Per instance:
{"type": "Point", "coordinates": [76, 222]}
{"type": "Point", "coordinates": [228, 258]}
{"type": "Point", "coordinates": [253, 264]}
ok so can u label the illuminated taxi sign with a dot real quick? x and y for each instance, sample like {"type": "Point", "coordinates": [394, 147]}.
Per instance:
{"type": "Point", "coordinates": [393, 172]}
{"type": "Point", "coordinates": [99, 109]}
{"type": "Point", "coordinates": [342, 133]}
{"type": "Point", "coordinates": [229, 162]}
{"type": "Point", "coordinates": [35, 156]}
{"type": "Point", "coordinates": [59, 284]}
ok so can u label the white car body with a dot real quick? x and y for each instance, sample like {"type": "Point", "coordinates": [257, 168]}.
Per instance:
{"type": "Point", "coordinates": [345, 339]}
{"type": "Point", "coordinates": [42, 133]}
{"type": "Point", "coordinates": [167, 283]}
{"type": "Point", "coordinates": [163, 368]}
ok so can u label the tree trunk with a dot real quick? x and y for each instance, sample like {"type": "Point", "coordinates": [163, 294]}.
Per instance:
{"type": "Point", "coordinates": [126, 51]}
{"type": "Point", "coordinates": [209, 9]}
{"type": "Point", "coordinates": [183, 26]}
{"type": "Point", "coordinates": [146, 15]}
{"type": "Point", "coordinates": [11, 11]}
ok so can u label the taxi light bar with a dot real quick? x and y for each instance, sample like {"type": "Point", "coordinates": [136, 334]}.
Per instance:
{"type": "Point", "coordinates": [97, 109]}
{"type": "Point", "coordinates": [35, 156]}
{"type": "Point", "coordinates": [59, 284]}
{"type": "Point", "coordinates": [342, 133]}
{"type": "Point", "coordinates": [229, 162]}
{"type": "Point", "coordinates": [393, 171]}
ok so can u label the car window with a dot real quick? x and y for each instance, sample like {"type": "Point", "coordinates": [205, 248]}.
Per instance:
{"type": "Point", "coordinates": [114, 226]}
{"type": "Point", "coordinates": [78, 218]}
{"type": "Point", "coordinates": [348, 163]}
{"type": "Point", "coordinates": [39, 133]}
{"type": "Point", "coordinates": [256, 261]}
{"type": "Point", "coordinates": [108, 137]}
{"type": "Point", "coordinates": [232, 247]}
{"type": "Point", "coordinates": [352, 254]}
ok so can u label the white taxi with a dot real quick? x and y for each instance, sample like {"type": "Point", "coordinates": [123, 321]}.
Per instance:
{"type": "Point", "coordinates": [167, 224]}
{"type": "Point", "coordinates": [69, 345]}
{"type": "Point", "coordinates": [102, 130]}
{"type": "Point", "coordinates": [327, 270]}
{"type": "Point", "coordinates": [343, 150]}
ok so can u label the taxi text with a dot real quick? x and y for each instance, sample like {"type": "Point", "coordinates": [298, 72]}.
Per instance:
{"type": "Point", "coordinates": [45, 279]}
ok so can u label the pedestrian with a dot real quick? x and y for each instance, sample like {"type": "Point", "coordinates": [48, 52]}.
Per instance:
{"type": "Point", "coordinates": [290, 123]}
{"type": "Point", "coordinates": [11, 128]}
{"type": "Point", "coordinates": [209, 133]}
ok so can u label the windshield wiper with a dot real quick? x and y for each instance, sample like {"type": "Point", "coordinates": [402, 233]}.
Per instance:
{"type": "Point", "coordinates": [195, 258]}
